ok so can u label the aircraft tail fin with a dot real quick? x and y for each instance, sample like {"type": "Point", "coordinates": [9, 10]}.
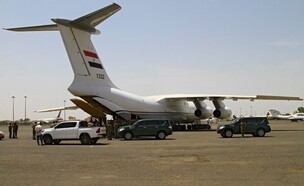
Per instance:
{"type": "Point", "coordinates": [274, 112]}
{"type": "Point", "coordinates": [58, 116]}
{"type": "Point", "coordinates": [89, 71]}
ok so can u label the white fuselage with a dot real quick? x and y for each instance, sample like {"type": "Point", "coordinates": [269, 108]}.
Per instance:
{"type": "Point", "coordinates": [143, 107]}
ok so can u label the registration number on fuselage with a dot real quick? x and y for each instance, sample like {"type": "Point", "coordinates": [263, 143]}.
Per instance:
{"type": "Point", "coordinates": [100, 76]}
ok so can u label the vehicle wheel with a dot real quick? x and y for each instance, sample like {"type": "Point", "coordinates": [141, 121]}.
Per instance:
{"type": "Point", "coordinates": [260, 132]}
{"type": "Point", "coordinates": [223, 135]}
{"type": "Point", "coordinates": [47, 139]}
{"type": "Point", "coordinates": [228, 133]}
{"type": "Point", "coordinates": [128, 135]}
{"type": "Point", "coordinates": [161, 135]}
{"type": "Point", "coordinates": [85, 139]}
{"type": "Point", "coordinates": [57, 142]}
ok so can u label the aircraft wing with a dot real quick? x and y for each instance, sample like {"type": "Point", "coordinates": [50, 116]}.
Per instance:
{"type": "Point", "coordinates": [191, 97]}
{"type": "Point", "coordinates": [57, 109]}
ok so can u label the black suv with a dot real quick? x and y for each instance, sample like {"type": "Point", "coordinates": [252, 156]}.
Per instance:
{"type": "Point", "coordinates": [146, 127]}
{"type": "Point", "coordinates": [257, 126]}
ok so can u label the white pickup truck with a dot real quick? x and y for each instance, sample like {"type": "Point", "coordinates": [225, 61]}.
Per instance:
{"type": "Point", "coordinates": [73, 130]}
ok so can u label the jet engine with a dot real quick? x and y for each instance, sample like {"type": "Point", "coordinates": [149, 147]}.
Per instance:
{"type": "Point", "coordinates": [203, 113]}
{"type": "Point", "coordinates": [202, 110]}
{"type": "Point", "coordinates": [222, 113]}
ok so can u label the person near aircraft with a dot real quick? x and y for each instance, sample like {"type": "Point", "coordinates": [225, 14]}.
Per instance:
{"type": "Point", "coordinates": [116, 126]}
{"type": "Point", "coordinates": [10, 128]}
{"type": "Point", "coordinates": [15, 130]}
{"type": "Point", "coordinates": [38, 130]}
{"type": "Point", "coordinates": [33, 129]}
{"type": "Point", "coordinates": [109, 130]}
{"type": "Point", "coordinates": [242, 128]}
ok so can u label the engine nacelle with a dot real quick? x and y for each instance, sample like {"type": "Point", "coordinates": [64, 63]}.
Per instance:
{"type": "Point", "coordinates": [203, 113]}
{"type": "Point", "coordinates": [222, 113]}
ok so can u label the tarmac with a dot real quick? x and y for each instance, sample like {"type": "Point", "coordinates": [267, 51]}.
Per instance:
{"type": "Point", "coordinates": [184, 158]}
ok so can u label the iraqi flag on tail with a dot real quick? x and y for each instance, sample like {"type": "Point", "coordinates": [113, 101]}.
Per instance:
{"type": "Point", "coordinates": [94, 56]}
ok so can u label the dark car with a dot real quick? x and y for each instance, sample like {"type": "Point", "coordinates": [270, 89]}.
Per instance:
{"type": "Point", "coordinates": [146, 127]}
{"type": "Point", "coordinates": [257, 126]}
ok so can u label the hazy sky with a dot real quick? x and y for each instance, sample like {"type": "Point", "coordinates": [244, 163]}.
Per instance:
{"type": "Point", "coordinates": [234, 47]}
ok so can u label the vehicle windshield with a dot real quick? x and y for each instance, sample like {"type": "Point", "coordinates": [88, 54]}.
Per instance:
{"type": "Point", "coordinates": [235, 120]}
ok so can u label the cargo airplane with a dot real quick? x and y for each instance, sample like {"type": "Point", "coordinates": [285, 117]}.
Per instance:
{"type": "Point", "coordinates": [100, 96]}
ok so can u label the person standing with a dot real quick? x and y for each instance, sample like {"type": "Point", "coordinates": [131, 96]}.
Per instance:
{"type": "Point", "coordinates": [10, 128]}
{"type": "Point", "coordinates": [110, 130]}
{"type": "Point", "coordinates": [15, 130]}
{"type": "Point", "coordinates": [34, 131]}
{"type": "Point", "coordinates": [38, 130]}
{"type": "Point", "coordinates": [116, 126]}
{"type": "Point", "coordinates": [242, 127]}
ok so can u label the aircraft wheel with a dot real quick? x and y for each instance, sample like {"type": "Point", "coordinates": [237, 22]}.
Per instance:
{"type": "Point", "coordinates": [93, 141]}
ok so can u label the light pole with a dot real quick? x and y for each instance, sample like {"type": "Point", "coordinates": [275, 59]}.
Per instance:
{"type": "Point", "coordinates": [13, 97]}
{"type": "Point", "coordinates": [25, 107]}
{"type": "Point", "coordinates": [64, 108]}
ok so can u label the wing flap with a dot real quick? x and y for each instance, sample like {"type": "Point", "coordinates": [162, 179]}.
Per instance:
{"type": "Point", "coordinates": [288, 98]}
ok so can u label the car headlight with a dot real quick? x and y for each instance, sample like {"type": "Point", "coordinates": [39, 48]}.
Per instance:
{"type": "Point", "coordinates": [221, 127]}
{"type": "Point", "coordinates": [120, 129]}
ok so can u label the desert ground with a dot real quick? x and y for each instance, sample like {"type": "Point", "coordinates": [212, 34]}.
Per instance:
{"type": "Point", "coordinates": [184, 158]}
